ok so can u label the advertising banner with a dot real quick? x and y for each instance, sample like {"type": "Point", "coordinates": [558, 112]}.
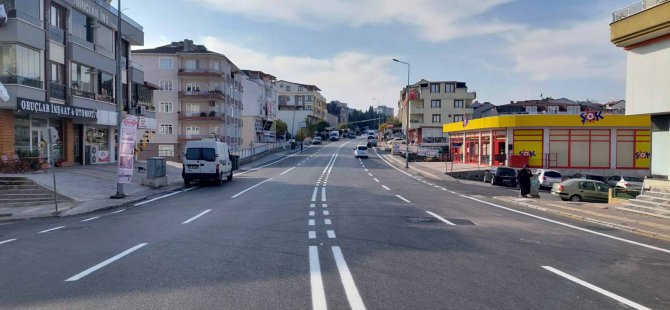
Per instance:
{"type": "Point", "coordinates": [127, 148]}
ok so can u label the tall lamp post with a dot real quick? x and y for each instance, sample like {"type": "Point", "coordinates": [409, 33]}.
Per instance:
{"type": "Point", "coordinates": [119, 91]}
{"type": "Point", "coordinates": [407, 112]}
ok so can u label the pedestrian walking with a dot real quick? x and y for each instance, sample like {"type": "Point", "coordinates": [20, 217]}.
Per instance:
{"type": "Point", "coordinates": [301, 143]}
{"type": "Point", "coordinates": [523, 178]}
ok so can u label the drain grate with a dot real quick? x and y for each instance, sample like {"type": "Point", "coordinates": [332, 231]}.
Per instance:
{"type": "Point", "coordinates": [421, 220]}
{"type": "Point", "coordinates": [461, 221]}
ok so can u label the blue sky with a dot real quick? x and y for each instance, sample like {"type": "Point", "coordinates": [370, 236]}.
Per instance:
{"type": "Point", "coordinates": [504, 49]}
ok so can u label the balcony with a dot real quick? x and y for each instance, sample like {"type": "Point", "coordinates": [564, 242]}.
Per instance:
{"type": "Point", "coordinates": [639, 22]}
{"type": "Point", "coordinates": [215, 94]}
{"type": "Point", "coordinates": [635, 8]}
{"type": "Point", "coordinates": [417, 110]}
{"type": "Point", "coordinates": [82, 93]}
{"type": "Point", "coordinates": [189, 137]}
{"type": "Point", "coordinates": [15, 79]}
{"type": "Point", "coordinates": [57, 91]}
{"type": "Point", "coordinates": [201, 73]}
{"type": "Point", "coordinates": [202, 117]}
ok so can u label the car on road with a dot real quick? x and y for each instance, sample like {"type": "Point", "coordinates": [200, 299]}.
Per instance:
{"type": "Point", "coordinates": [361, 150]}
{"type": "Point", "coordinates": [588, 176]}
{"type": "Point", "coordinates": [334, 135]}
{"type": "Point", "coordinates": [207, 160]}
{"type": "Point", "coordinates": [317, 140]}
{"type": "Point", "coordinates": [582, 190]}
{"type": "Point", "coordinates": [372, 142]}
{"type": "Point", "coordinates": [547, 178]}
{"type": "Point", "coordinates": [625, 182]}
{"type": "Point", "coordinates": [352, 135]}
{"type": "Point", "coordinates": [500, 175]}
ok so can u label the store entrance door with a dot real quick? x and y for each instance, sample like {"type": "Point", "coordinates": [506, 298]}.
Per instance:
{"type": "Point", "coordinates": [37, 142]}
{"type": "Point", "coordinates": [78, 138]}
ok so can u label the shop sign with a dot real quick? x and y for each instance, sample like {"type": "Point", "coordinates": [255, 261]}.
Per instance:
{"type": "Point", "coordinates": [642, 155]}
{"type": "Point", "coordinates": [53, 109]}
{"type": "Point", "coordinates": [465, 122]}
{"type": "Point", "coordinates": [127, 149]}
{"type": "Point", "coordinates": [90, 9]}
{"type": "Point", "coordinates": [590, 117]}
{"type": "Point", "coordinates": [527, 153]}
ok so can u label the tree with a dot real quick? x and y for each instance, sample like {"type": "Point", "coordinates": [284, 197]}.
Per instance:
{"type": "Point", "coordinates": [281, 127]}
{"type": "Point", "coordinates": [342, 126]}
{"type": "Point", "coordinates": [321, 126]}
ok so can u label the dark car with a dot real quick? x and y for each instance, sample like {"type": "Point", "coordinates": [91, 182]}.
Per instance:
{"type": "Point", "coordinates": [588, 176]}
{"type": "Point", "coordinates": [501, 175]}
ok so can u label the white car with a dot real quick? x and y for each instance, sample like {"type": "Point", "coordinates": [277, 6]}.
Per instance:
{"type": "Point", "coordinates": [361, 151]}
{"type": "Point", "coordinates": [625, 182]}
{"type": "Point", "coordinates": [207, 160]}
{"type": "Point", "coordinates": [548, 178]}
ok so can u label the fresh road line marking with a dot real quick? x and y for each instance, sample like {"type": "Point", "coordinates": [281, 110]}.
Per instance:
{"type": "Point", "coordinates": [312, 234]}
{"type": "Point", "coordinates": [196, 217]}
{"type": "Point", "coordinates": [118, 211]}
{"type": "Point", "coordinates": [366, 170]}
{"type": "Point", "coordinates": [440, 218]}
{"type": "Point", "coordinates": [570, 225]}
{"type": "Point", "coordinates": [310, 222]}
{"type": "Point", "coordinates": [318, 293]}
{"type": "Point", "coordinates": [285, 172]}
{"type": "Point", "coordinates": [7, 241]}
{"type": "Point", "coordinates": [326, 213]}
{"type": "Point", "coordinates": [51, 229]}
{"type": "Point", "coordinates": [327, 221]}
{"type": "Point", "coordinates": [268, 164]}
{"type": "Point", "coordinates": [595, 288]}
{"type": "Point", "coordinates": [250, 188]}
{"type": "Point", "coordinates": [386, 188]}
{"type": "Point", "coordinates": [323, 205]}
{"type": "Point", "coordinates": [436, 186]}
{"type": "Point", "coordinates": [370, 174]}
{"type": "Point", "coordinates": [355, 301]}
{"type": "Point", "coordinates": [442, 188]}
{"type": "Point", "coordinates": [154, 199]}
{"type": "Point", "coordinates": [311, 205]}
{"type": "Point", "coordinates": [323, 194]}
{"type": "Point", "coordinates": [331, 234]}
{"type": "Point", "coordinates": [104, 263]}
{"type": "Point", "coordinates": [376, 180]}
{"type": "Point", "coordinates": [403, 198]}
{"type": "Point", "coordinates": [316, 190]}
{"type": "Point", "coordinates": [90, 219]}
{"type": "Point", "coordinates": [311, 213]}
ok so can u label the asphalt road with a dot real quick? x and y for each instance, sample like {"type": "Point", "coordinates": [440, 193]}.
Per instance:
{"type": "Point", "coordinates": [322, 229]}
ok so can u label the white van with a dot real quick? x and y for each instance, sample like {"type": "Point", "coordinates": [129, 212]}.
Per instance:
{"type": "Point", "coordinates": [334, 135]}
{"type": "Point", "coordinates": [206, 160]}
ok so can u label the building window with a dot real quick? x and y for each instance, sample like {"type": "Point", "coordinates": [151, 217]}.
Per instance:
{"type": "Point", "coordinates": [531, 109]}
{"type": "Point", "coordinates": [216, 66]}
{"type": "Point", "coordinates": [573, 110]}
{"type": "Point", "coordinates": [192, 87]}
{"type": "Point", "coordinates": [449, 88]}
{"type": "Point", "coordinates": [106, 86]}
{"type": "Point", "coordinates": [288, 88]}
{"type": "Point", "coordinates": [458, 118]}
{"type": "Point", "coordinates": [437, 118]}
{"type": "Point", "coordinates": [192, 130]}
{"type": "Point", "coordinates": [633, 148]}
{"type": "Point", "coordinates": [165, 85]}
{"type": "Point", "coordinates": [193, 109]}
{"type": "Point", "coordinates": [436, 103]}
{"type": "Point", "coordinates": [82, 80]}
{"type": "Point", "coordinates": [82, 25]}
{"type": "Point", "coordinates": [166, 107]}
{"type": "Point", "coordinates": [300, 88]}
{"type": "Point", "coordinates": [165, 150]}
{"type": "Point", "coordinates": [165, 63]}
{"type": "Point", "coordinates": [104, 37]}
{"type": "Point", "coordinates": [459, 104]}
{"type": "Point", "coordinates": [57, 17]}
{"type": "Point", "coordinates": [166, 129]}
{"type": "Point", "coordinates": [192, 64]}
{"type": "Point", "coordinates": [20, 65]}
{"type": "Point", "coordinates": [434, 88]}
{"type": "Point", "coordinates": [552, 110]}
{"type": "Point", "coordinates": [309, 98]}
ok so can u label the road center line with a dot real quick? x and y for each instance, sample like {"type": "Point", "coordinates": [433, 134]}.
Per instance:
{"type": "Point", "coordinates": [440, 218]}
{"type": "Point", "coordinates": [403, 198]}
{"type": "Point", "coordinates": [331, 234]}
{"type": "Point", "coordinates": [595, 288]}
{"type": "Point", "coordinates": [51, 229]}
{"type": "Point", "coordinates": [104, 263]}
{"type": "Point", "coordinates": [314, 193]}
{"type": "Point", "coordinates": [355, 301]}
{"type": "Point", "coordinates": [117, 211]}
{"type": "Point", "coordinates": [287, 171]}
{"type": "Point", "coordinates": [7, 241]}
{"type": "Point", "coordinates": [196, 217]}
{"type": "Point", "coordinates": [323, 194]}
{"type": "Point", "coordinates": [90, 219]}
{"type": "Point", "coordinates": [376, 180]}
{"type": "Point", "coordinates": [311, 205]}
{"type": "Point", "coordinates": [250, 188]}
{"type": "Point", "coordinates": [318, 293]}
{"type": "Point", "coordinates": [386, 188]}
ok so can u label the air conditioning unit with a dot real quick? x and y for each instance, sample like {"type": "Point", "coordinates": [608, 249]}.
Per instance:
{"type": "Point", "coordinates": [141, 110]}
{"type": "Point", "coordinates": [212, 103]}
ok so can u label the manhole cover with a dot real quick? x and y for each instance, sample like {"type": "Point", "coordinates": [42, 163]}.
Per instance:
{"type": "Point", "coordinates": [421, 220]}
{"type": "Point", "coordinates": [461, 221]}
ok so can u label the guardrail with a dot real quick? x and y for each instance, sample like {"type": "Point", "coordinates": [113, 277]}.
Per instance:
{"type": "Point", "coordinates": [260, 149]}
{"type": "Point", "coordinates": [635, 8]}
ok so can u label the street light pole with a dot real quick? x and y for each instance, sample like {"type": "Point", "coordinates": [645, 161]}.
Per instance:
{"type": "Point", "coordinates": [119, 92]}
{"type": "Point", "coordinates": [407, 112]}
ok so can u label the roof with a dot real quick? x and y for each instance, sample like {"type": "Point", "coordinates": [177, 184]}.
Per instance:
{"type": "Point", "coordinates": [259, 73]}
{"type": "Point", "coordinates": [300, 84]}
{"type": "Point", "coordinates": [182, 47]}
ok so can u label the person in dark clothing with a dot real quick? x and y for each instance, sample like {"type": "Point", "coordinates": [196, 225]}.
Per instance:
{"type": "Point", "coordinates": [523, 178]}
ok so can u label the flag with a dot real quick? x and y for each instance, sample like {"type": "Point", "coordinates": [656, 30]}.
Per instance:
{"type": "Point", "coordinates": [3, 15]}
{"type": "Point", "coordinates": [4, 94]}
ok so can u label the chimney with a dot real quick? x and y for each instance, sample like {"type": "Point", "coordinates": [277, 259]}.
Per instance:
{"type": "Point", "coordinates": [188, 45]}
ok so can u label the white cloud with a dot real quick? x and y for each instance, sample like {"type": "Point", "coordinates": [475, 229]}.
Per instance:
{"type": "Point", "coordinates": [578, 51]}
{"type": "Point", "coordinates": [351, 77]}
{"type": "Point", "coordinates": [432, 20]}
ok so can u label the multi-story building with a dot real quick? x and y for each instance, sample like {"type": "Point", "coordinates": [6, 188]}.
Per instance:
{"type": "Point", "coordinates": [432, 104]}
{"type": "Point", "coordinates": [387, 112]}
{"type": "Point", "coordinates": [298, 102]}
{"type": "Point", "coordinates": [643, 30]}
{"type": "Point", "coordinates": [260, 107]}
{"type": "Point", "coordinates": [340, 109]}
{"type": "Point", "coordinates": [58, 65]}
{"type": "Point", "coordinates": [199, 96]}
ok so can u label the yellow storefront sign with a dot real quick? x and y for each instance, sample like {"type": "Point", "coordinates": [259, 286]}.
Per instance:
{"type": "Point", "coordinates": [573, 120]}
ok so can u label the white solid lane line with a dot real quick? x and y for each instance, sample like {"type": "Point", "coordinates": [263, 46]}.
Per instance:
{"type": "Point", "coordinates": [311, 213]}
{"type": "Point", "coordinates": [355, 301]}
{"type": "Point", "coordinates": [90, 219]}
{"type": "Point", "coordinates": [318, 293]}
{"type": "Point", "coordinates": [250, 188]}
{"type": "Point", "coordinates": [154, 199]}
{"type": "Point", "coordinates": [569, 225]}
{"type": "Point", "coordinates": [327, 221]}
{"type": "Point", "coordinates": [331, 234]}
{"type": "Point", "coordinates": [117, 211]}
{"type": "Point", "coordinates": [196, 217]}
{"type": "Point", "coordinates": [7, 241]}
{"type": "Point", "coordinates": [386, 188]}
{"type": "Point", "coordinates": [323, 194]}
{"type": "Point", "coordinates": [376, 180]}
{"type": "Point", "coordinates": [104, 263]}
{"type": "Point", "coordinates": [286, 171]}
{"type": "Point", "coordinates": [403, 198]}
{"type": "Point", "coordinates": [314, 193]}
{"type": "Point", "coordinates": [310, 222]}
{"type": "Point", "coordinates": [311, 234]}
{"type": "Point", "coordinates": [440, 218]}
{"type": "Point", "coordinates": [326, 213]}
{"type": "Point", "coordinates": [51, 229]}
{"type": "Point", "coordinates": [597, 289]}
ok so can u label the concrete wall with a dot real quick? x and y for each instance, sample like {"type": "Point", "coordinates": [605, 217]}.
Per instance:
{"type": "Point", "coordinates": [647, 79]}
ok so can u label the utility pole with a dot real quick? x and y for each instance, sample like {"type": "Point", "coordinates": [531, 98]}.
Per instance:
{"type": "Point", "coordinates": [119, 91]}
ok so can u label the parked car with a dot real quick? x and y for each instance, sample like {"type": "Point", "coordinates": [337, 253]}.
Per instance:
{"type": "Point", "coordinates": [588, 176]}
{"type": "Point", "coordinates": [625, 182]}
{"type": "Point", "coordinates": [547, 178]}
{"type": "Point", "coordinates": [207, 160]}
{"type": "Point", "coordinates": [372, 142]}
{"type": "Point", "coordinates": [582, 190]}
{"type": "Point", "coordinates": [361, 151]}
{"type": "Point", "coordinates": [317, 140]}
{"type": "Point", "coordinates": [500, 175]}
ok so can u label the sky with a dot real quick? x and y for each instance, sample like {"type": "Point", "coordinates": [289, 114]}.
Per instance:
{"type": "Point", "coordinates": [505, 50]}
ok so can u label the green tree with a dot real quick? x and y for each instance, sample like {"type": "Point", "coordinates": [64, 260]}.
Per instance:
{"type": "Point", "coordinates": [281, 127]}
{"type": "Point", "coordinates": [321, 126]}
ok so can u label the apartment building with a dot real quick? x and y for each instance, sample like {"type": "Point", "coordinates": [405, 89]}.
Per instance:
{"type": "Point", "coordinates": [58, 65]}
{"type": "Point", "coordinates": [199, 96]}
{"type": "Point", "coordinates": [298, 102]}
{"type": "Point", "coordinates": [384, 110]}
{"type": "Point", "coordinates": [341, 109]}
{"type": "Point", "coordinates": [260, 107]}
{"type": "Point", "coordinates": [431, 104]}
{"type": "Point", "coordinates": [642, 29]}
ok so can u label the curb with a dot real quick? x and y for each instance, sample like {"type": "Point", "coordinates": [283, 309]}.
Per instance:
{"type": "Point", "coordinates": [421, 172]}
{"type": "Point", "coordinates": [637, 231]}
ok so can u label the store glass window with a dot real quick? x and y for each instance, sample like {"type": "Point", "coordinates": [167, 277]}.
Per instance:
{"type": "Point", "coordinates": [19, 65]}
{"type": "Point", "coordinates": [22, 132]}
{"type": "Point", "coordinates": [97, 145]}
